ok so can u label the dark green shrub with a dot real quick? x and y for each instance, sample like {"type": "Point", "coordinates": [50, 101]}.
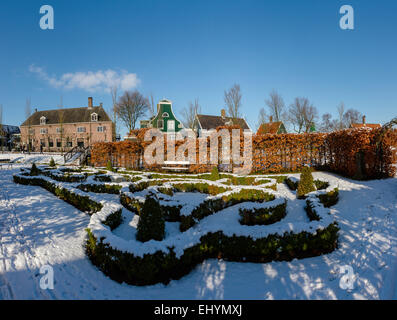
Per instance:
{"type": "Point", "coordinates": [52, 162]}
{"type": "Point", "coordinates": [100, 188]}
{"type": "Point", "coordinates": [114, 220]}
{"type": "Point", "coordinates": [34, 171]}
{"type": "Point", "coordinates": [103, 178]}
{"type": "Point", "coordinates": [263, 216]}
{"type": "Point", "coordinates": [306, 183]}
{"type": "Point", "coordinates": [321, 185]}
{"type": "Point", "coordinates": [211, 206]}
{"type": "Point", "coordinates": [163, 267]}
{"type": "Point", "coordinates": [330, 198]}
{"type": "Point", "coordinates": [151, 225]}
{"type": "Point", "coordinates": [200, 187]}
{"type": "Point", "coordinates": [292, 185]}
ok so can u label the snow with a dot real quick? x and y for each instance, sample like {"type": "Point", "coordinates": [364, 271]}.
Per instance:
{"type": "Point", "coordinates": [36, 229]}
{"type": "Point", "coordinates": [24, 158]}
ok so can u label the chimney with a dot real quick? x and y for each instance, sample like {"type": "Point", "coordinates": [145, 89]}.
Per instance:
{"type": "Point", "coordinates": [35, 110]}
{"type": "Point", "coordinates": [271, 119]}
{"type": "Point", "coordinates": [223, 113]}
{"type": "Point", "coordinates": [101, 104]}
{"type": "Point", "coordinates": [89, 102]}
{"type": "Point", "coordinates": [363, 119]}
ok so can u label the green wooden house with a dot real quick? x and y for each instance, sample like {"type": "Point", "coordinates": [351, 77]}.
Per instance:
{"type": "Point", "coordinates": [165, 119]}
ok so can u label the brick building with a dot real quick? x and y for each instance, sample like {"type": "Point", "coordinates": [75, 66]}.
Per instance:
{"type": "Point", "coordinates": [62, 129]}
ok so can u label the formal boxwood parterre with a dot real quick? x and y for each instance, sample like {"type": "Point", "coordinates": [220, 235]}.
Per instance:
{"type": "Point", "coordinates": [253, 210]}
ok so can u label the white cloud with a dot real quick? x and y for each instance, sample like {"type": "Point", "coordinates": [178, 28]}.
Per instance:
{"type": "Point", "coordinates": [89, 81]}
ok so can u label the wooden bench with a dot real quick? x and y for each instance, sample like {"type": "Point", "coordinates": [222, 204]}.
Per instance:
{"type": "Point", "coordinates": [181, 163]}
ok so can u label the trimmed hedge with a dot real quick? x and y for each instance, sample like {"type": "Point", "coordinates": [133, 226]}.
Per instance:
{"type": "Point", "coordinates": [263, 216]}
{"type": "Point", "coordinates": [292, 185]}
{"type": "Point", "coordinates": [163, 267]}
{"type": "Point", "coordinates": [100, 188]}
{"type": "Point", "coordinates": [330, 198]}
{"type": "Point", "coordinates": [211, 206]}
{"type": "Point", "coordinates": [83, 203]}
{"type": "Point", "coordinates": [200, 187]}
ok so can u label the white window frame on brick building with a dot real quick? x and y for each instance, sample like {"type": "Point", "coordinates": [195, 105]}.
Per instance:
{"type": "Point", "coordinates": [80, 129]}
{"type": "Point", "coordinates": [94, 117]}
{"type": "Point", "coordinates": [43, 120]}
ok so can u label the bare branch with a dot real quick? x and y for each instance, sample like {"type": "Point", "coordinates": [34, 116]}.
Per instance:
{"type": "Point", "coordinates": [233, 101]}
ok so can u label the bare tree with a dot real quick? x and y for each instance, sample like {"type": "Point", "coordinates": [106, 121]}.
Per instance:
{"type": "Point", "coordinates": [131, 106]}
{"type": "Point", "coordinates": [341, 112]}
{"type": "Point", "coordinates": [152, 106]}
{"type": "Point", "coordinates": [113, 91]}
{"type": "Point", "coordinates": [302, 115]}
{"type": "Point", "coordinates": [233, 101]}
{"type": "Point", "coordinates": [28, 112]}
{"type": "Point", "coordinates": [189, 113]}
{"type": "Point", "coordinates": [327, 124]}
{"type": "Point", "coordinates": [262, 117]}
{"type": "Point", "coordinates": [352, 116]}
{"type": "Point", "coordinates": [344, 120]}
{"type": "Point", "coordinates": [276, 105]}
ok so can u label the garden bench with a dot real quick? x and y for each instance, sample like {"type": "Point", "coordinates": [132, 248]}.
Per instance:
{"type": "Point", "coordinates": [181, 163]}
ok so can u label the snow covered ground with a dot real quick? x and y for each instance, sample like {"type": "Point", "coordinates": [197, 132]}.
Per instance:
{"type": "Point", "coordinates": [37, 229]}
{"type": "Point", "coordinates": [24, 158]}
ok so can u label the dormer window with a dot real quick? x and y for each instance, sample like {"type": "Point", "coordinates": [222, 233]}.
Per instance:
{"type": "Point", "coordinates": [94, 117]}
{"type": "Point", "coordinates": [43, 120]}
{"type": "Point", "coordinates": [166, 115]}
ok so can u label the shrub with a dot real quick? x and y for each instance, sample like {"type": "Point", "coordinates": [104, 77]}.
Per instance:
{"type": "Point", "coordinates": [292, 185]}
{"type": "Point", "coordinates": [330, 198]}
{"type": "Point", "coordinates": [306, 183]}
{"type": "Point", "coordinates": [162, 267]}
{"type": "Point", "coordinates": [200, 187]}
{"type": "Point", "coordinates": [215, 174]}
{"type": "Point", "coordinates": [321, 185]}
{"type": "Point", "coordinates": [263, 216]}
{"type": "Point", "coordinates": [52, 162]}
{"type": "Point", "coordinates": [151, 225]}
{"type": "Point", "coordinates": [109, 166]}
{"type": "Point", "coordinates": [100, 188]}
{"type": "Point", "coordinates": [34, 171]}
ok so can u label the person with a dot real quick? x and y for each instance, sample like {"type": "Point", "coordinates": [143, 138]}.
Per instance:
{"type": "Point", "coordinates": [41, 148]}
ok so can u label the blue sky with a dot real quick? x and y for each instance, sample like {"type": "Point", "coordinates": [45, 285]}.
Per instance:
{"type": "Point", "coordinates": [182, 50]}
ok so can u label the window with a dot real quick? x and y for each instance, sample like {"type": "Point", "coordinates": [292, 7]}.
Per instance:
{"type": "Point", "coordinates": [43, 130]}
{"type": "Point", "coordinates": [59, 143]}
{"type": "Point", "coordinates": [166, 115]}
{"type": "Point", "coordinates": [80, 129]}
{"type": "Point", "coordinates": [50, 143]}
{"type": "Point", "coordinates": [42, 142]}
{"type": "Point", "coordinates": [69, 144]}
{"type": "Point", "coordinates": [94, 117]}
{"type": "Point", "coordinates": [171, 125]}
{"type": "Point", "coordinates": [43, 120]}
{"type": "Point", "coordinates": [59, 130]}
{"type": "Point", "coordinates": [101, 129]}
{"type": "Point", "coordinates": [31, 131]}
{"type": "Point", "coordinates": [160, 124]}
